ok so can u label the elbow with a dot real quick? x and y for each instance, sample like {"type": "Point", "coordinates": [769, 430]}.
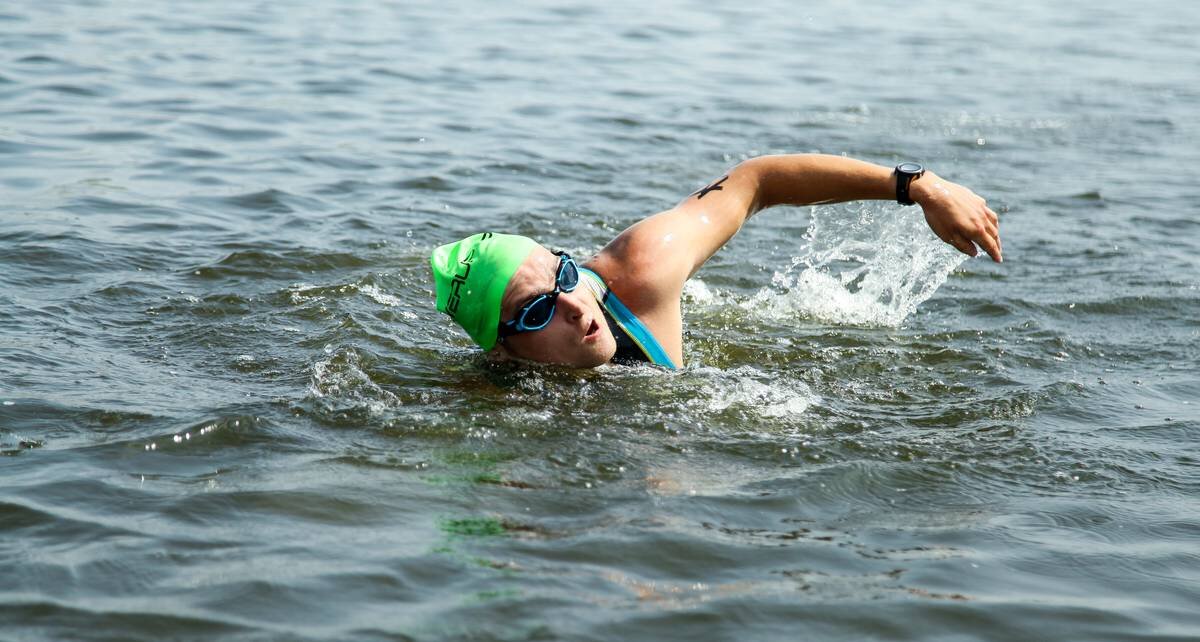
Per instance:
{"type": "Point", "coordinates": [751, 175]}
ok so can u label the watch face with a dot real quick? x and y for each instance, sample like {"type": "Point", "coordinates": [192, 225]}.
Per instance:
{"type": "Point", "coordinates": [909, 168]}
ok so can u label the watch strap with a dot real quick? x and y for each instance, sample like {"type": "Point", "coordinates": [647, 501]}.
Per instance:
{"type": "Point", "coordinates": [904, 178]}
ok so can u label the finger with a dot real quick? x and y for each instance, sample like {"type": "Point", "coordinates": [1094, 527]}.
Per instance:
{"type": "Point", "coordinates": [987, 236]}
{"type": "Point", "coordinates": [992, 230]}
{"type": "Point", "coordinates": [991, 245]}
{"type": "Point", "coordinates": [993, 227]}
{"type": "Point", "coordinates": [992, 215]}
{"type": "Point", "coordinates": [964, 245]}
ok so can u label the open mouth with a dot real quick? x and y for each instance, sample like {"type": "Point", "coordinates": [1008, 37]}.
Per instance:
{"type": "Point", "coordinates": [593, 330]}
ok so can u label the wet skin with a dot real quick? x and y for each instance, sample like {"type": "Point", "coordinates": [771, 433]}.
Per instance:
{"type": "Point", "coordinates": [577, 335]}
{"type": "Point", "coordinates": [647, 264]}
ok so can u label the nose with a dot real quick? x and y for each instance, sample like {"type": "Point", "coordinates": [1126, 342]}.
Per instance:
{"type": "Point", "coordinates": [571, 306]}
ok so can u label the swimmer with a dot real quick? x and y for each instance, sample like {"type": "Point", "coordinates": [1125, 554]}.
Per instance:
{"type": "Point", "coordinates": [518, 300]}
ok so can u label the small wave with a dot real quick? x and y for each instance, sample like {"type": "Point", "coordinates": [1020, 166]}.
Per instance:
{"type": "Point", "coordinates": [257, 262]}
{"type": "Point", "coordinates": [379, 296]}
{"type": "Point", "coordinates": [236, 134]}
{"type": "Point", "coordinates": [113, 136]}
{"type": "Point", "coordinates": [746, 390]}
{"type": "Point", "coordinates": [873, 268]}
{"type": "Point", "coordinates": [77, 90]}
{"type": "Point", "coordinates": [269, 200]}
{"type": "Point", "coordinates": [48, 615]}
{"type": "Point", "coordinates": [425, 184]}
{"type": "Point", "coordinates": [303, 293]}
{"type": "Point", "coordinates": [38, 59]}
{"type": "Point", "coordinates": [764, 399]}
{"type": "Point", "coordinates": [340, 380]}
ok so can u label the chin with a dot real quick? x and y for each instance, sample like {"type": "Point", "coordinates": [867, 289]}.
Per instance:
{"type": "Point", "coordinates": [576, 356]}
{"type": "Point", "coordinates": [594, 361]}
{"type": "Point", "coordinates": [603, 353]}
{"type": "Point", "coordinates": [592, 357]}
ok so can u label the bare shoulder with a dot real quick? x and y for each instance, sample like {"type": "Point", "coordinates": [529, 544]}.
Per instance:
{"type": "Point", "coordinates": [632, 269]}
{"type": "Point", "coordinates": [627, 265]}
{"type": "Point", "coordinates": [647, 264]}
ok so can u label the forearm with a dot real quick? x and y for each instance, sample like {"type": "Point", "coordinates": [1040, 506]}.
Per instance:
{"type": "Point", "coordinates": [808, 179]}
{"type": "Point", "coordinates": [956, 214]}
{"type": "Point", "coordinates": [676, 242]}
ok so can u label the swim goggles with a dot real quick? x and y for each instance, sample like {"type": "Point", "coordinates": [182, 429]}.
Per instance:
{"type": "Point", "coordinates": [536, 314]}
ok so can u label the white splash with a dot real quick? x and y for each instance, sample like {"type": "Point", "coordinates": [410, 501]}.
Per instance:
{"type": "Point", "coordinates": [379, 296]}
{"type": "Point", "coordinates": [869, 267]}
{"type": "Point", "coordinates": [744, 389]}
{"type": "Point", "coordinates": [341, 378]}
{"type": "Point", "coordinates": [697, 292]}
{"type": "Point", "coordinates": [301, 293]}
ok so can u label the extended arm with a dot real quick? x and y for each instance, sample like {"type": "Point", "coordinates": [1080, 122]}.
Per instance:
{"type": "Point", "coordinates": [956, 214]}
{"type": "Point", "coordinates": [664, 250]}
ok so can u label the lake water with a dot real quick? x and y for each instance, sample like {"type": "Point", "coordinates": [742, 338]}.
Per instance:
{"type": "Point", "coordinates": [230, 411]}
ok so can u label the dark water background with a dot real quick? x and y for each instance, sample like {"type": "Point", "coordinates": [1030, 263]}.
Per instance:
{"type": "Point", "coordinates": [230, 412]}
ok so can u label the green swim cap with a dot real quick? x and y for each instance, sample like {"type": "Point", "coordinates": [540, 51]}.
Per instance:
{"type": "Point", "coordinates": [470, 277]}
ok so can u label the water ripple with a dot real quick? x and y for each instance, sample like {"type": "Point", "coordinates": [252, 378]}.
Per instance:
{"type": "Point", "coordinates": [229, 409]}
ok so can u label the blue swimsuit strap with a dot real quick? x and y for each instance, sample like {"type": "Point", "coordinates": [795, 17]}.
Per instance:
{"type": "Point", "coordinates": [628, 321]}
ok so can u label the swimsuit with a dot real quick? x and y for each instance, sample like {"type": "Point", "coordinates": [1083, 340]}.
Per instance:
{"type": "Point", "coordinates": [635, 343]}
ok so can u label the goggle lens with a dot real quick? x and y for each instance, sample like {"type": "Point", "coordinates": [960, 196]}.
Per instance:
{"type": "Point", "coordinates": [568, 277]}
{"type": "Point", "coordinates": [538, 313]}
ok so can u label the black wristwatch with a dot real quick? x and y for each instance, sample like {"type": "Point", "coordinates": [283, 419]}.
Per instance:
{"type": "Point", "coordinates": [906, 173]}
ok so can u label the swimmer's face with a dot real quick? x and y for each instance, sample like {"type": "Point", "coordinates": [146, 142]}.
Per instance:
{"type": "Point", "coordinates": [576, 336]}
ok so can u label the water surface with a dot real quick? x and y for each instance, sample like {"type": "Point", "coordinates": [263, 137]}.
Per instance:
{"type": "Point", "coordinates": [230, 410]}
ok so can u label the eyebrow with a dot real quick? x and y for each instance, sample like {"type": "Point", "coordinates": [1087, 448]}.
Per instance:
{"type": "Point", "coordinates": [523, 301]}
{"type": "Point", "coordinates": [553, 282]}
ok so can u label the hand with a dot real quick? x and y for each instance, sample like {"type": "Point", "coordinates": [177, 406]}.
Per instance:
{"type": "Point", "coordinates": [957, 215]}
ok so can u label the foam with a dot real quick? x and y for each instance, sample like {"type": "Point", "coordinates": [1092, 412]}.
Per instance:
{"type": "Point", "coordinates": [743, 389]}
{"type": "Point", "coordinates": [872, 266]}
{"type": "Point", "coordinates": [341, 378]}
{"type": "Point", "coordinates": [379, 296]}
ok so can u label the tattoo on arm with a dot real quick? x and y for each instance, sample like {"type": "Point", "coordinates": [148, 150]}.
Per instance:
{"type": "Point", "coordinates": [715, 187]}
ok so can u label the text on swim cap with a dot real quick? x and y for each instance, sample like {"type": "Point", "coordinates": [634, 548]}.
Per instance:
{"type": "Point", "coordinates": [457, 282]}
